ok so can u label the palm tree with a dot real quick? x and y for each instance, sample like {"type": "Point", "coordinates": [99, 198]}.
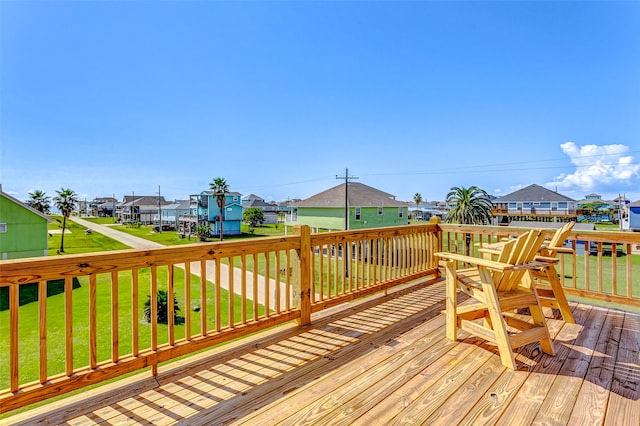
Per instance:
{"type": "Point", "coordinates": [66, 202]}
{"type": "Point", "coordinates": [40, 201]}
{"type": "Point", "coordinates": [220, 188]}
{"type": "Point", "coordinates": [472, 206]}
{"type": "Point", "coordinates": [417, 197]}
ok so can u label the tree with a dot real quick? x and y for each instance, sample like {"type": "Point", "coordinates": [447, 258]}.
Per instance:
{"type": "Point", "coordinates": [417, 197]}
{"type": "Point", "coordinates": [593, 210]}
{"type": "Point", "coordinates": [66, 202]}
{"type": "Point", "coordinates": [40, 201]}
{"type": "Point", "coordinates": [253, 216]}
{"type": "Point", "coordinates": [472, 206]}
{"type": "Point", "coordinates": [220, 189]}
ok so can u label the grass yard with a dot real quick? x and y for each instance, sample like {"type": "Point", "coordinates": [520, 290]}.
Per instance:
{"type": "Point", "coordinates": [170, 238]}
{"type": "Point", "coordinates": [100, 220]}
{"type": "Point", "coordinates": [167, 238]}
{"type": "Point", "coordinates": [29, 336]}
{"type": "Point", "coordinates": [77, 241]}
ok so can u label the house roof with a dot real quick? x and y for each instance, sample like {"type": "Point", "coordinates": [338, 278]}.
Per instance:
{"type": "Point", "coordinates": [252, 197]}
{"type": "Point", "coordinates": [635, 204]}
{"type": "Point", "coordinates": [146, 200]}
{"type": "Point", "coordinates": [533, 193]}
{"type": "Point", "coordinates": [25, 205]}
{"type": "Point", "coordinates": [183, 204]}
{"type": "Point", "coordinates": [257, 202]}
{"type": "Point", "coordinates": [178, 205]}
{"type": "Point", "coordinates": [360, 195]}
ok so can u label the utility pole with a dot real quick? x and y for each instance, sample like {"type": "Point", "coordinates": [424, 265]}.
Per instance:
{"type": "Point", "coordinates": [346, 178]}
{"type": "Point", "coordinates": [159, 212]}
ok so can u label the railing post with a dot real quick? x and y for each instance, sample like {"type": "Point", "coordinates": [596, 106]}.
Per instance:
{"type": "Point", "coordinates": [436, 242]}
{"type": "Point", "coordinates": [302, 274]}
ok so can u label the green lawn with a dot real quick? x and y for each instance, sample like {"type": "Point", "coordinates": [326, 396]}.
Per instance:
{"type": "Point", "coordinates": [77, 241]}
{"type": "Point", "coordinates": [171, 238]}
{"type": "Point", "coordinates": [100, 220]}
{"type": "Point", "coordinates": [29, 337]}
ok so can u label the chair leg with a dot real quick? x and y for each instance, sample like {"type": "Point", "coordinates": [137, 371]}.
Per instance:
{"type": "Point", "coordinates": [558, 293]}
{"type": "Point", "coordinates": [498, 324]}
{"type": "Point", "coordinates": [538, 319]}
{"type": "Point", "coordinates": [451, 300]}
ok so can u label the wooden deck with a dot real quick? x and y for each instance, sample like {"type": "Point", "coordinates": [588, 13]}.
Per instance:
{"type": "Point", "coordinates": [383, 360]}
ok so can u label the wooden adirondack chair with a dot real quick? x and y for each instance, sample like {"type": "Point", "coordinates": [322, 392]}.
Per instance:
{"type": "Point", "coordinates": [547, 283]}
{"type": "Point", "coordinates": [499, 287]}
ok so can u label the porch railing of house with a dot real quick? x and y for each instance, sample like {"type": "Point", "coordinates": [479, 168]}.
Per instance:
{"type": "Point", "coordinates": [604, 265]}
{"type": "Point", "coordinates": [96, 330]}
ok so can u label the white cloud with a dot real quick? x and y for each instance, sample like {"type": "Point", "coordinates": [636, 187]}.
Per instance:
{"type": "Point", "coordinates": [598, 167]}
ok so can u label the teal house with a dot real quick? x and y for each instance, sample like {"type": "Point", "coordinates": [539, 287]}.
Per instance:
{"type": "Point", "coordinates": [367, 207]}
{"type": "Point", "coordinates": [23, 230]}
{"type": "Point", "coordinates": [231, 217]}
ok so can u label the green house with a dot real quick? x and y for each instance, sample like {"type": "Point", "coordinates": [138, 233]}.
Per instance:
{"type": "Point", "coordinates": [23, 230]}
{"type": "Point", "coordinates": [367, 208]}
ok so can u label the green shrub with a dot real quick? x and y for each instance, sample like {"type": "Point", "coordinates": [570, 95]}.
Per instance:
{"type": "Point", "coordinates": [163, 308]}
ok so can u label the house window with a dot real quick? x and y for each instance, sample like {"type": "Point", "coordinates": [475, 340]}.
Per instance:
{"type": "Point", "coordinates": [358, 213]}
{"type": "Point", "coordinates": [400, 212]}
{"type": "Point", "coordinates": [3, 227]}
{"type": "Point", "coordinates": [380, 211]}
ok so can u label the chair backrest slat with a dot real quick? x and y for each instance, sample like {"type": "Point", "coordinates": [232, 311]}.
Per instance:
{"type": "Point", "coordinates": [559, 238]}
{"type": "Point", "coordinates": [524, 251]}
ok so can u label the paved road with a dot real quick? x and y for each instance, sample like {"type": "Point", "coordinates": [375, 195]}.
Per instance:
{"type": "Point", "coordinates": [128, 239]}
{"type": "Point", "coordinates": [141, 243]}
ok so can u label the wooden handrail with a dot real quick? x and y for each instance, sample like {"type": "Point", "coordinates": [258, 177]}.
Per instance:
{"type": "Point", "coordinates": [597, 266]}
{"type": "Point", "coordinates": [275, 280]}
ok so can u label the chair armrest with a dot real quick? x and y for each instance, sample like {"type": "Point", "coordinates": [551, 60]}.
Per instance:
{"type": "Point", "coordinates": [547, 259]}
{"type": "Point", "coordinates": [566, 250]}
{"type": "Point", "coordinates": [491, 264]}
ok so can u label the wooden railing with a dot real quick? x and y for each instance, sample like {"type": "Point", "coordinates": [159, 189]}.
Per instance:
{"type": "Point", "coordinates": [95, 329]}
{"type": "Point", "coordinates": [604, 266]}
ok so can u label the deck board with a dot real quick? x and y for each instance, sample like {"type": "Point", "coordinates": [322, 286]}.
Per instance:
{"type": "Point", "coordinates": [382, 360]}
{"type": "Point", "coordinates": [561, 397]}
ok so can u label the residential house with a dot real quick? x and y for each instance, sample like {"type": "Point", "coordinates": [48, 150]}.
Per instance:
{"type": "Point", "coordinates": [594, 209]}
{"type": "Point", "coordinates": [284, 208]}
{"type": "Point", "coordinates": [170, 214]}
{"type": "Point", "coordinates": [427, 210]}
{"type": "Point", "coordinates": [23, 230]}
{"type": "Point", "coordinates": [534, 203]}
{"type": "Point", "coordinates": [203, 208]}
{"type": "Point", "coordinates": [634, 216]}
{"type": "Point", "coordinates": [367, 207]}
{"type": "Point", "coordinates": [143, 208]}
{"type": "Point", "coordinates": [270, 210]}
{"type": "Point", "coordinates": [103, 206]}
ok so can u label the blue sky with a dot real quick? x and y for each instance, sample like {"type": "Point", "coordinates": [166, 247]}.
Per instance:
{"type": "Point", "coordinates": [119, 97]}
